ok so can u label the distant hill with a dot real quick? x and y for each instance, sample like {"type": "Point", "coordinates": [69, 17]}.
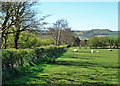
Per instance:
{"type": "Point", "coordinates": [95, 32]}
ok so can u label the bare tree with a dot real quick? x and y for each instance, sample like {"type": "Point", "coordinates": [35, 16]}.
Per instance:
{"type": "Point", "coordinates": [56, 31]}
{"type": "Point", "coordinates": [67, 37]}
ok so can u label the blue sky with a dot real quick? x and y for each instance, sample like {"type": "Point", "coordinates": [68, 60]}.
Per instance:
{"type": "Point", "coordinates": [82, 15]}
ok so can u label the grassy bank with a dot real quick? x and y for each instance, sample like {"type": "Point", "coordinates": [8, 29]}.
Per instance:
{"type": "Point", "coordinates": [80, 67]}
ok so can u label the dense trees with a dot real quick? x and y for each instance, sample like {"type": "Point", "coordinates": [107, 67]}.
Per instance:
{"type": "Point", "coordinates": [103, 42]}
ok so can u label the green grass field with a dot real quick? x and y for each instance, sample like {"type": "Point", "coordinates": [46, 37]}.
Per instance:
{"type": "Point", "coordinates": [80, 67]}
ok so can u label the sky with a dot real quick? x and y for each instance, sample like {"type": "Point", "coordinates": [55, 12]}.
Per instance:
{"type": "Point", "coordinates": [81, 15]}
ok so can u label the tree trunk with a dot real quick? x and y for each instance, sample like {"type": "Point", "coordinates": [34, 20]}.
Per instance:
{"type": "Point", "coordinates": [16, 40]}
{"type": "Point", "coordinates": [22, 62]}
{"type": "Point", "coordinates": [59, 34]}
{"type": "Point", "coordinates": [5, 46]}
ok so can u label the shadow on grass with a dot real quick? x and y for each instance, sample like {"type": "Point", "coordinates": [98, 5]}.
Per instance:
{"type": "Point", "coordinates": [57, 55]}
{"type": "Point", "coordinates": [21, 75]}
{"type": "Point", "coordinates": [73, 63]}
{"type": "Point", "coordinates": [79, 58]}
{"type": "Point", "coordinates": [86, 57]}
{"type": "Point", "coordinates": [86, 64]}
{"type": "Point", "coordinates": [97, 84]}
{"type": "Point", "coordinates": [89, 66]}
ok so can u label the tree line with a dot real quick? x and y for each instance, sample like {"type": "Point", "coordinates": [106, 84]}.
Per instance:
{"type": "Point", "coordinates": [103, 42]}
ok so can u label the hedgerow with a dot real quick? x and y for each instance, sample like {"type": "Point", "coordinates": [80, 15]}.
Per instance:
{"type": "Point", "coordinates": [18, 57]}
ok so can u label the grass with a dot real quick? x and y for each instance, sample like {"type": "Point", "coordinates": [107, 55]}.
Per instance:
{"type": "Point", "coordinates": [80, 67]}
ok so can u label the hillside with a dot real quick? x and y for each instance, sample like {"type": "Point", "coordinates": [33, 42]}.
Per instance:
{"type": "Point", "coordinates": [95, 32]}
